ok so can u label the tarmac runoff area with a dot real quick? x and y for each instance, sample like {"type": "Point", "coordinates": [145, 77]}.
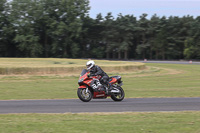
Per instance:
{"type": "Point", "coordinates": [100, 105]}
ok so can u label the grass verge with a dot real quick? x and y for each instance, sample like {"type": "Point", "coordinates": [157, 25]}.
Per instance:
{"type": "Point", "coordinates": [159, 122]}
{"type": "Point", "coordinates": [43, 66]}
{"type": "Point", "coordinates": [158, 80]}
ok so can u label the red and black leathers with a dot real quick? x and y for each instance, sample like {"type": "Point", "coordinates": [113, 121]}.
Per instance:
{"type": "Point", "coordinates": [96, 70]}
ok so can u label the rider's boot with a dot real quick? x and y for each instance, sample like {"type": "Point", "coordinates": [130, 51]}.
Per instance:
{"type": "Point", "coordinates": [108, 89]}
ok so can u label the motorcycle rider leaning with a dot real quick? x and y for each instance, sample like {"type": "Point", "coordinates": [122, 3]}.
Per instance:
{"type": "Point", "coordinates": [95, 70]}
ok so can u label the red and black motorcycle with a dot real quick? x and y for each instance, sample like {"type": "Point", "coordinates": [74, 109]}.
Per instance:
{"type": "Point", "coordinates": [90, 87]}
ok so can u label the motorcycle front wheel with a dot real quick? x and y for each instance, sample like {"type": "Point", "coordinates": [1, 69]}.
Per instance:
{"type": "Point", "coordinates": [84, 94]}
{"type": "Point", "coordinates": [118, 96]}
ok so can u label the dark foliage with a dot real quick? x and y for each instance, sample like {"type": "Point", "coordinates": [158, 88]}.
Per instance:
{"type": "Point", "coordinates": [63, 28]}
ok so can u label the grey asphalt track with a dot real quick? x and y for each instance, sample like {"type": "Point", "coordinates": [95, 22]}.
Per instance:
{"type": "Point", "coordinates": [100, 105]}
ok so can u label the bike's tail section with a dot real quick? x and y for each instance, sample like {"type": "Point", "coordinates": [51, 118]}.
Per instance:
{"type": "Point", "coordinates": [116, 79]}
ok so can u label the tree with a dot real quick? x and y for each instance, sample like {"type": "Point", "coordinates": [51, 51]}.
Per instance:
{"type": "Point", "coordinates": [177, 32]}
{"type": "Point", "coordinates": [63, 28]}
{"type": "Point", "coordinates": [7, 31]}
{"type": "Point", "coordinates": [67, 25]}
{"type": "Point", "coordinates": [192, 43]}
{"type": "Point", "coordinates": [153, 31]}
{"type": "Point", "coordinates": [95, 46]}
{"type": "Point", "coordinates": [2, 25]}
{"type": "Point", "coordinates": [143, 31]}
{"type": "Point", "coordinates": [24, 21]}
{"type": "Point", "coordinates": [48, 27]}
{"type": "Point", "coordinates": [125, 26]}
{"type": "Point", "coordinates": [109, 34]}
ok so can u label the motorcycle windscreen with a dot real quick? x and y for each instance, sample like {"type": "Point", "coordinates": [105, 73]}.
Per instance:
{"type": "Point", "coordinates": [84, 72]}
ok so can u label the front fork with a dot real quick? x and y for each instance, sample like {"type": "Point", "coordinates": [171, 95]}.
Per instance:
{"type": "Point", "coordinates": [84, 86]}
{"type": "Point", "coordinates": [86, 90]}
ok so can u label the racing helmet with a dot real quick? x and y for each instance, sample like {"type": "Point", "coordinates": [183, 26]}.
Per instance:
{"type": "Point", "coordinates": [90, 64]}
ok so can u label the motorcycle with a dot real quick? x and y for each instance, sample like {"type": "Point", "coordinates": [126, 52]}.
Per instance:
{"type": "Point", "coordinates": [91, 87]}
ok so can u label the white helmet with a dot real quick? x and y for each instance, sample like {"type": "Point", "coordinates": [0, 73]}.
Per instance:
{"type": "Point", "coordinates": [90, 64]}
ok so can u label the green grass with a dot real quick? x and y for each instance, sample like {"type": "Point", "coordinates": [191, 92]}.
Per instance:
{"type": "Point", "coordinates": [42, 66]}
{"type": "Point", "coordinates": [159, 80]}
{"type": "Point", "coordinates": [39, 88]}
{"type": "Point", "coordinates": [175, 81]}
{"type": "Point", "coordinates": [53, 62]}
{"type": "Point", "coordinates": [159, 122]}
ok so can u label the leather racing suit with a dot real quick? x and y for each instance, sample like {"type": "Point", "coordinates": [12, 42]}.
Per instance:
{"type": "Point", "coordinates": [96, 70]}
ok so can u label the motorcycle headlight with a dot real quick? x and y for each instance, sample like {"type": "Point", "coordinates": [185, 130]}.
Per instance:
{"type": "Point", "coordinates": [80, 80]}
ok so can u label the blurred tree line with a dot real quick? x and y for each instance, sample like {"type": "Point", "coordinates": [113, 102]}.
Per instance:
{"type": "Point", "coordinates": [63, 28]}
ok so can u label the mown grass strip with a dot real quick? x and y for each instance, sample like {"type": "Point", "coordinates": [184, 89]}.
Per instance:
{"type": "Point", "coordinates": [158, 80]}
{"type": "Point", "coordinates": [158, 122]}
{"type": "Point", "coordinates": [39, 66]}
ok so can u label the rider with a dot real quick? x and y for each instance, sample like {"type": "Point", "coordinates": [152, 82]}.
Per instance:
{"type": "Point", "coordinates": [96, 70]}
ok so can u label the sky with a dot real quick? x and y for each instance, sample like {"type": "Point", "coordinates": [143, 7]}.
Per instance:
{"type": "Point", "coordinates": [138, 7]}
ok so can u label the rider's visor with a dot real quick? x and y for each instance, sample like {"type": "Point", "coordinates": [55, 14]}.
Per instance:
{"type": "Point", "coordinates": [88, 66]}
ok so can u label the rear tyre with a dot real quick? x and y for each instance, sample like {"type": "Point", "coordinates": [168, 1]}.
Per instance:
{"type": "Point", "coordinates": [118, 96]}
{"type": "Point", "coordinates": [83, 95]}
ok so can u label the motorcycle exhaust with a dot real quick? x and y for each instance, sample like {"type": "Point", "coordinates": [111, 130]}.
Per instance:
{"type": "Point", "coordinates": [115, 91]}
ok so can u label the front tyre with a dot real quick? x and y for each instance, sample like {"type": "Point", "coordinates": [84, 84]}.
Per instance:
{"type": "Point", "coordinates": [118, 96]}
{"type": "Point", "coordinates": [84, 94]}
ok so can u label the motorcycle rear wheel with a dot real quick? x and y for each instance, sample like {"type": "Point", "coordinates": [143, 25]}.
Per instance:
{"type": "Point", "coordinates": [118, 96]}
{"type": "Point", "coordinates": [83, 95]}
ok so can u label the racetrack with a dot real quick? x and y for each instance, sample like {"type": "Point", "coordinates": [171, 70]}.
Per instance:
{"type": "Point", "coordinates": [100, 105]}
{"type": "Point", "coordinates": [103, 105]}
